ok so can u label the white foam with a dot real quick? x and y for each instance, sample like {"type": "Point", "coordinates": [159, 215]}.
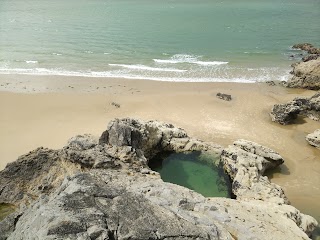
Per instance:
{"type": "Point", "coordinates": [57, 54]}
{"type": "Point", "coordinates": [261, 77]}
{"type": "Point", "coordinates": [185, 58]}
{"type": "Point", "coordinates": [147, 68]}
{"type": "Point", "coordinates": [31, 61]}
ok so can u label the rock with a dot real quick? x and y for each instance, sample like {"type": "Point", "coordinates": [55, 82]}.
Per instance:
{"type": "Point", "coordinates": [288, 112]}
{"type": "Point", "coordinates": [271, 83]}
{"type": "Point", "coordinates": [151, 137]}
{"type": "Point", "coordinates": [306, 75]}
{"type": "Point", "coordinates": [284, 113]}
{"type": "Point", "coordinates": [314, 138]}
{"type": "Point", "coordinates": [245, 162]}
{"type": "Point", "coordinates": [303, 46]}
{"type": "Point", "coordinates": [117, 105]}
{"type": "Point", "coordinates": [91, 190]}
{"type": "Point", "coordinates": [224, 96]}
{"type": "Point", "coordinates": [309, 48]}
{"type": "Point", "coordinates": [310, 57]}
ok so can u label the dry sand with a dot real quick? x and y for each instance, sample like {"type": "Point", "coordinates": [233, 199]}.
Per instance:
{"type": "Point", "coordinates": [48, 110]}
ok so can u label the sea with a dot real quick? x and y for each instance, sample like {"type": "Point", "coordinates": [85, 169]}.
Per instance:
{"type": "Point", "coordinates": [166, 40]}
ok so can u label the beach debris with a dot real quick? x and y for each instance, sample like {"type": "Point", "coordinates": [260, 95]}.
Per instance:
{"type": "Point", "coordinates": [224, 96]}
{"type": "Point", "coordinates": [117, 105]}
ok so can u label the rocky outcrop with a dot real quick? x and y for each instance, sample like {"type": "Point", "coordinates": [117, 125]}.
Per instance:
{"type": "Point", "coordinates": [308, 47]}
{"type": "Point", "coordinates": [152, 137]}
{"type": "Point", "coordinates": [246, 162]}
{"type": "Point", "coordinates": [105, 190]}
{"type": "Point", "coordinates": [286, 113]}
{"type": "Point", "coordinates": [306, 75]}
{"type": "Point", "coordinates": [314, 138]}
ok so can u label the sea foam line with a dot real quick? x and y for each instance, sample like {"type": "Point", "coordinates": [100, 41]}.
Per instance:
{"type": "Point", "coordinates": [143, 67]}
{"type": "Point", "coordinates": [212, 63]}
{"type": "Point", "coordinates": [186, 58]}
{"type": "Point", "coordinates": [31, 61]}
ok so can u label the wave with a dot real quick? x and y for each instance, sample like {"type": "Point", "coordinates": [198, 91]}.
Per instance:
{"type": "Point", "coordinates": [262, 77]}
{"type": "Point", "coordinates": [31, 61]}
{"type": "Point", "coordinates": [185, 58]}
{"type": "Point", "coordinates": [143, 67]}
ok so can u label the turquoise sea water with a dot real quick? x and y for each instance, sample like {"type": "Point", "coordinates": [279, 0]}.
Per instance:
{"type": "Point", "coordinates": [174, 40]}
{"type": "Point", "coordinates": [191, 170]}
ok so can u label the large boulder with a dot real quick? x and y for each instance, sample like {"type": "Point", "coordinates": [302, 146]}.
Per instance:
{"type": "Point", "coordinates": [286, 113]}
{"type": "Point", "coordinates": [306, 75]}
{"type": "Point", "coordinates": [91, 190]}
{"type": "Point", "coordinates": [151, 137]}
{"type": "Point", "coordinates": [314, 138]}
{"type": "Point", "coordinates": [245, 162]}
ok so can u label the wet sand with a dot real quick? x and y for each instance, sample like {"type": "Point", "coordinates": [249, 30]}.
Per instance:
{"type": "Point", "coordinates": [48, 110]}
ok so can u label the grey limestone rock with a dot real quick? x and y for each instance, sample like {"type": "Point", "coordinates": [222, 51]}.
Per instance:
{"type": "Point", "coordinates": [246, 162]}
{"type": "Point", "coordinates": [314, 138]}
{"type": "Point", "coordinates": [152, 137]}
{"type": "Point", "coordinates": [286, 113]}
{"type": "Point", "coordinates": [306, 75]}
{"type": "Point", "coordinates": [92, 190]}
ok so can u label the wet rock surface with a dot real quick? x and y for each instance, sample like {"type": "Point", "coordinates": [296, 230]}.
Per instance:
{"type": "Point", "coordinates": [104, 189]}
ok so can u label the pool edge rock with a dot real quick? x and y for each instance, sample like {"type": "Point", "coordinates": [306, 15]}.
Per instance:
{"type": "Point", "coordinates": [106, 190]}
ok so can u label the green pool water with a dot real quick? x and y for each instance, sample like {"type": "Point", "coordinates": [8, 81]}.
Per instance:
{"type": "Point", "coordinates": [193, 170]}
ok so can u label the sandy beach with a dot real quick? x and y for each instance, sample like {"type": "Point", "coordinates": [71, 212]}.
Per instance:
{"type": "Point", "coordinates": [48, 110]}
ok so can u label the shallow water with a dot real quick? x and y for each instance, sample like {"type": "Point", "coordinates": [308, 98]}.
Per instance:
{"type": "Point", "coordinates": [174, 40]}
{"type": "Point", "coordinates": [194, 171]}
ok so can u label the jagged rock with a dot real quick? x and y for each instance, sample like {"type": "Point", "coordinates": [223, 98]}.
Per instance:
{"type": "Point", "coordinates": [314, 138]}
{"type": "Point", "coordinates": [310, 57]}
{"type": "Point", "coordinates": [286, 113]}
{"type": "Point", "coordinates": [271, 83]}
{"type": "Point", "coordinates": [306, 75]}
{"type": "Point", "coordinates": [245, 162]}
{"type": "Point", "coordinates": [107, 191]}
{"type": "Point", "coordinates": [151, 137]}
{"type": "Point", "coordinates": [223, 96]}
{"type": "Point", "coordinates": [308, 47]}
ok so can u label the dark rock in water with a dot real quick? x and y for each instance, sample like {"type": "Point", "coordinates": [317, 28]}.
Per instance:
{"type": "Point", "coordinates": [310, 57]}
{"type": "Point", "coordinates": [309, 48]}
{"type": "Point", "coordinates": [91, 190]}
{"type": "Point", "coordinates": [314, 138]}
{"type": "Point", "coordinates": [286, 113]}
{"type": "Point", "coordinates": [224, 96]}
{"type": "Point", "coordinates": [303, 46]}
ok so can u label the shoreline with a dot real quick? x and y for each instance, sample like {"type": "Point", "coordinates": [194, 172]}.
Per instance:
{"type": "Point", "coordinates": [62, 107]}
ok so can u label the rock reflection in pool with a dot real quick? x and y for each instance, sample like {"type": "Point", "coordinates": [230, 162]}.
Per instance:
{"type": "Point", "coordinates": [193, 170]}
